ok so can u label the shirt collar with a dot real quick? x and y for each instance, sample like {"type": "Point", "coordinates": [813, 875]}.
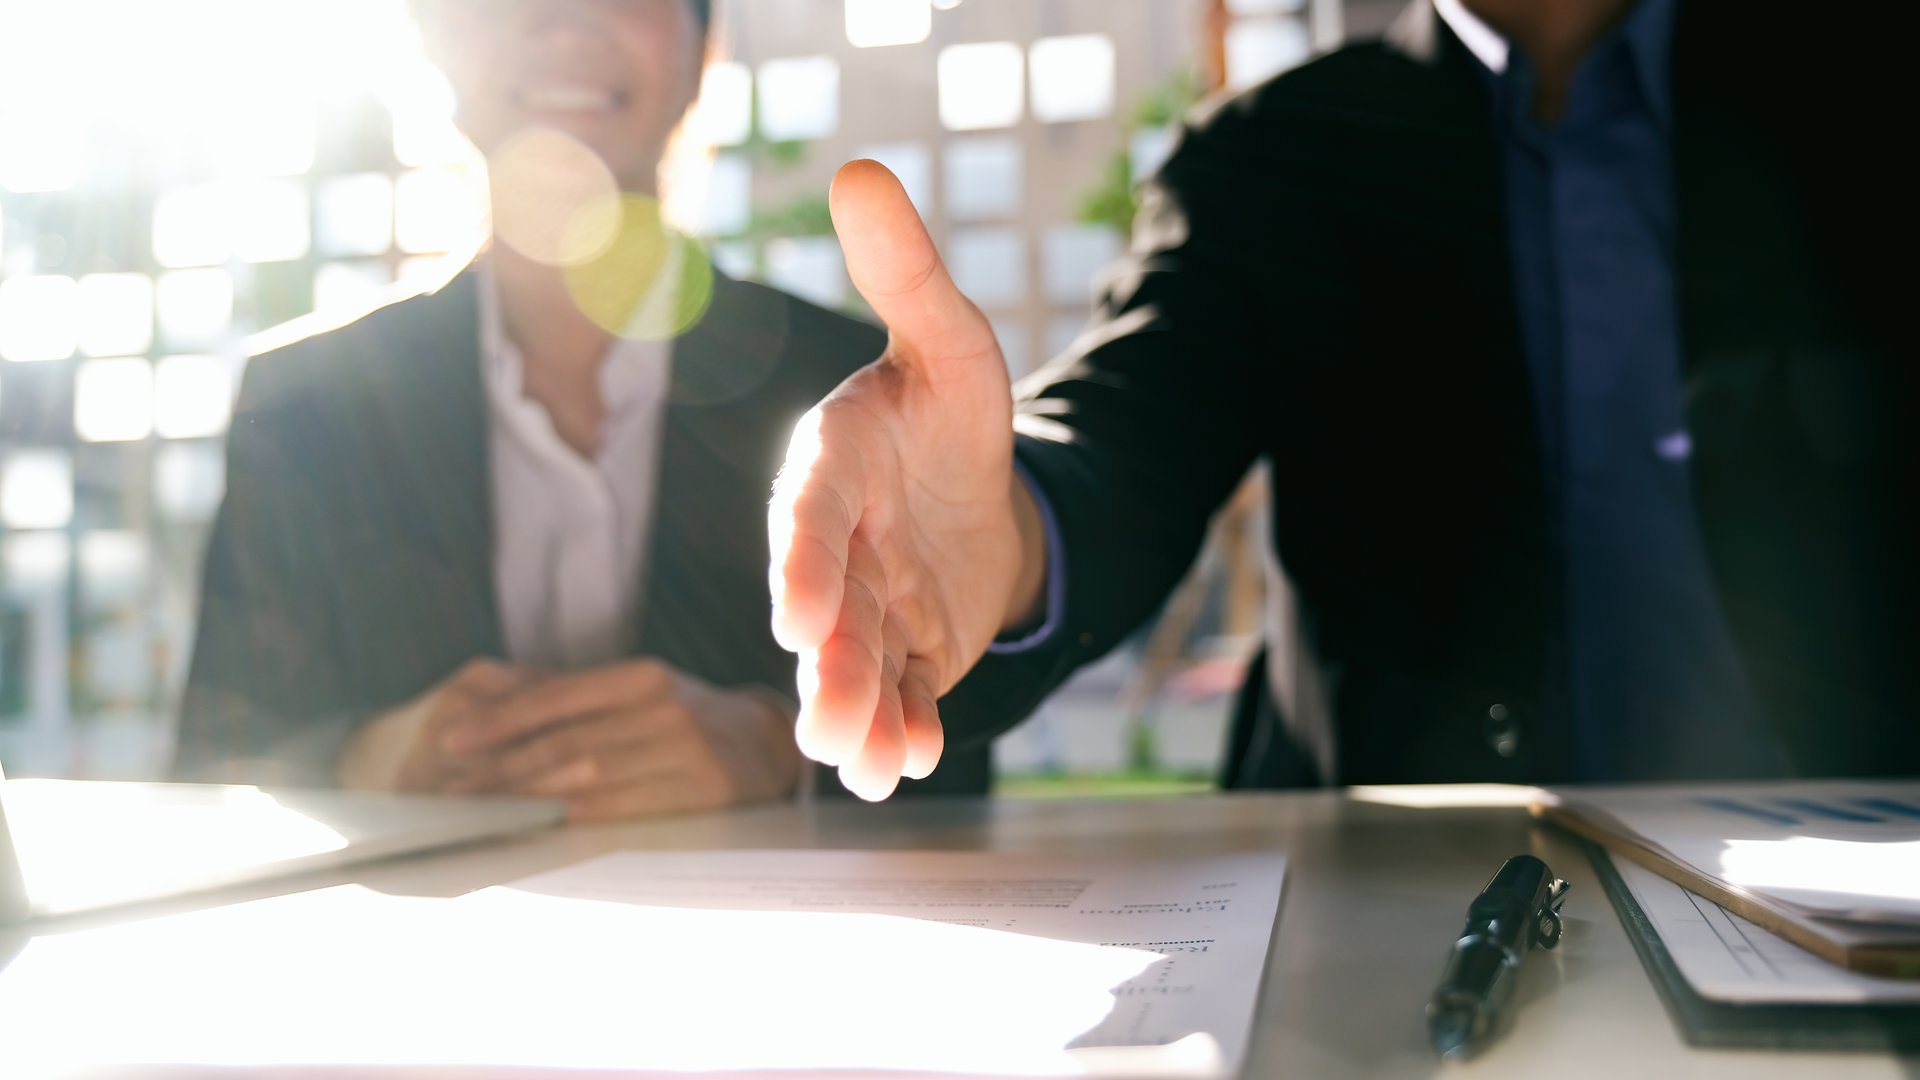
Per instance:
{"type": "Point", "coordinates": [1647, 34]}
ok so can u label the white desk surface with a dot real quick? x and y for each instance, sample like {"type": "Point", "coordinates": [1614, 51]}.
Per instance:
{"type": "Point", "coordinates": [1374, 895]}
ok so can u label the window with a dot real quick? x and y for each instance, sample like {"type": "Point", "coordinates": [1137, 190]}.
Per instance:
{"type": "Point", "coordinates": [725, 206]}
{"type": "Point", "coordinates": [1072, 256]}
{"type": "Point", "coordinates": [912, 163]}
{"type": "Point", "coordinates": [192, 397]}
{"type": "Point", "coordinates": [1265, 7]}
{"type": "Point", "coordinates": [39, 318]}
{"type": "Point", "coordinates": [437, 210]}
{"type": "Point", "coordinates": [1149, 149]}
{"type": "Point", "coordinates": [724, 114]}
{"type": "Point", "coordinates": [799, 98]}
{"type": "Point", "coordinates": [1016, 345]}
{"type": "Point", "coordinates": [270, 221]}
{"type": "Point", "coordinates": [116, 314]}
{"type": "Point", "coordinates": [113, 400]}
{"type": "Point", "coordinates": [980, 85]}
{"type": "Point", "coordinates": [189, 480]}
{"type": "Point", "coordinates": [983, 178]}
{"type": "Point", "coordinates": [36, 490]}
{"type": "Point", "coordinates": [41, 151]}
{"type": "Point", "coordinates": [876, 23]}
{"type": "Point", "coordinates": [1063, 330]}
{"type": "Point", "coordinates": [355, 214]}
{"type": "Point", "coordinates": [192, 226]}
{"type": "Point", "coordinates": [989, 265]}
{"type": "Point", "coordinates": [809, 267]}
{"type": "Point", "coordinates": [194, 307]}
{"type": "Point", "coordinates": [1072, 77]}
{"type": "Point", "coordinates": [1258, 49]}
{"type": "Point", "coordinates": [342, 287]}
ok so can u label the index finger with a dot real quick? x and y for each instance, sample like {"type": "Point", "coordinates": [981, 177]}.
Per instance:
{"type": "Point", "coordinates": [810, 522]}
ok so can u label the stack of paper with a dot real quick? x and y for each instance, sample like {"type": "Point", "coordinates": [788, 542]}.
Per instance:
{"type": "Point", "coordinates": [1834, 866]}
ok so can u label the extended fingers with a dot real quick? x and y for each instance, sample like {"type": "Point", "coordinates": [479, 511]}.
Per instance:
{"type": "Point", "coordinates": [876, 770]}
{"type": "Point", "coordinates": [840, 681]}
{"type": "Point", "coordinates": [920, 710]}
{"type": "Point", "coordinates": [810, 524]}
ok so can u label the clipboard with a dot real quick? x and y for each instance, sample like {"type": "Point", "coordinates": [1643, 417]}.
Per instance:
{"type": "Point", "coordinates": [1854, 948]}
{"type": "Point", "coordinates": [1705, 1022]}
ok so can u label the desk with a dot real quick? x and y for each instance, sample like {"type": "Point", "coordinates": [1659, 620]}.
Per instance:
{"type": "Point", "coordinates": [1374, 893]}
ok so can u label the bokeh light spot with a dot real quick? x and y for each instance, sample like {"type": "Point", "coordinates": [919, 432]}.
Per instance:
{"type": "Point", "coordinates": [650, 283]}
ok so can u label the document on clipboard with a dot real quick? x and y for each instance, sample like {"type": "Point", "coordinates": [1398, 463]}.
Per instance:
{"type": "Point", "coordinates": [1831, 866]}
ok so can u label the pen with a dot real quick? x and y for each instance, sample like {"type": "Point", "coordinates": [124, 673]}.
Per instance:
{"type": "Point", "coordinates": [1518, 909]}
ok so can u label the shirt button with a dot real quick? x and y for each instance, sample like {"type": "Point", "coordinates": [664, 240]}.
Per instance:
{"type": "Point", "coordinates": [1503, 729]}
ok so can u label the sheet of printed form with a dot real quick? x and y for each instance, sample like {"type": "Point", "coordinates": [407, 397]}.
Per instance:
{"type": "Point", "coordinates": [724, 963]}
{"type": "Point", "coordinates": [1727, 958]}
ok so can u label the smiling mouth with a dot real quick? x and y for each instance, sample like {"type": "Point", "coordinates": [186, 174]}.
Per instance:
{"type": "Point", "coordinates": [569, 99]}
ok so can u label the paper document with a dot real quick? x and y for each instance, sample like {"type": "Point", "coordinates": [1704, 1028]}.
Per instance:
{"type": "Point", "coordinates": [1727, 958]}
{"type": "Point", "coordinates": [725, 963]}
{"type": "Point", "coordinates": [1158, 962]}
{"type": "Point", "coordinates": [1833, 850]}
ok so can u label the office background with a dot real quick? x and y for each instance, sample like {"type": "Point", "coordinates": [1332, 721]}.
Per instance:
{"type": "Point", "coordinates": [184, 182]}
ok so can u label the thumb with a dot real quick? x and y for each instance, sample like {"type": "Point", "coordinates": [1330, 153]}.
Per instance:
{"type": "Point", "coordinates": [892, 261]}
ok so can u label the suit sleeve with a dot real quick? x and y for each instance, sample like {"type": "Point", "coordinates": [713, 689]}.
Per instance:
{"type": "Point", "coordinates": [1142, 429]}
{"type": "Point", "coordinates": [262, 702]}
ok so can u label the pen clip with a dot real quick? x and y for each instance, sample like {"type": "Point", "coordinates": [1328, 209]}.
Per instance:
{"type": "Point", "coordinates": [1547, 925]}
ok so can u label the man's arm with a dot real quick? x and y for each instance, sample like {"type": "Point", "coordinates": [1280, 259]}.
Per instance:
{"type": "Point", "coordinates": [902, 539]}
{"type": "Point", "coordinates": [1141, 431]}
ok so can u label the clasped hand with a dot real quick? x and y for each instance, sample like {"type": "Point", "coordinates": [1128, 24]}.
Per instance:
{"type": "Point", "coordinates": [626, 740]}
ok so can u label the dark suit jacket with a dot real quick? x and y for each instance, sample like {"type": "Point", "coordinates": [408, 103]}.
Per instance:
{"type": "Point", "coordinates": [1320, 280]}
{"type": "Point", "coordinates": [351, 566]}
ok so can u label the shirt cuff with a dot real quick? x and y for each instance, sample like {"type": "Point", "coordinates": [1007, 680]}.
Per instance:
{"type": "Point", "coordinates": [1056, 597]}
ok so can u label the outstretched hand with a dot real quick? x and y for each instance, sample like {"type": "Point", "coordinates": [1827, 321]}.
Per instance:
{"type": "Point", "coordinates": [901, 541]}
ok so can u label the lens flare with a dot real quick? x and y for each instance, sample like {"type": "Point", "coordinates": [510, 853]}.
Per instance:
{"type": "Point", "coordinates": [554, 200]}
{"type": "Point", "coordinates": [650, 283]}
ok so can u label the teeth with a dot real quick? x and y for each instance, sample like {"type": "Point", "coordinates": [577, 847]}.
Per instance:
{"type": "Point", "coordinates": [566, 99]}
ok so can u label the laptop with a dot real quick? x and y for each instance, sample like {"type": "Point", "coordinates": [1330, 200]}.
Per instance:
{"type": "Point", "coordinates": [69, 846]}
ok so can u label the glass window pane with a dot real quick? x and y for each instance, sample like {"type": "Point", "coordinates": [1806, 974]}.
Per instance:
{"type": "Point", "coordinates": [113, 568]}
{"type": "Point", "coordinates": [724, 114]}
{"type": "Point", "coordinates": [193, 226]}
{"type": "Point", "coordinates": [264, 134]}
{"type": "Point", "coordinates": [192, 397]}
{"type": "Point", "coordinates": [983, 178]}
{"type": "Point", "coordinates": [189, 480]}
{"type": "Point", "coordinates": [113, 400]}
{"type": "Point", "coordinates": [980, 85]}
{"type": "Point", "coordinates": [40, 150]}
{"type": "Point", "coordinates": [195, 307]}
{"type": "Point", "coordinates": [809, 267]}
{"type": "Point", "coordinates": [989, 265]}
{"type": "Point", "coordinates": [356, 214]}
{"type": "Point", "coordinates": [724, 206]}
{"type": "Point", "coordinates": [1072, 77]}
{"type": "Point", "coordinates": [39, 318]}
{"type": "Point", "coordinates": [1149, 149]}
{"type": "Point", "coordinates": [1016, 345]}
{"type": "Point", "coordinates": [912, 163]}
{"type": "Point", "coordinates": [876, 23]}
{"type": "Point", "coordinates": [799, 97]}
{"type": "Point", "coordinates": [736, 259]}
{"type": "Point", "coordinates": [1258, 49]}
{"type": "Point", "coordinates": [350, 287]}
{"type": "Point", "coordinates": [1265, 7]}
{"type": "Point", "coordinates": [270, 221]}
{"type": "Point", "coordinates": [116, 314]}
{"type": "Point", "coordinates": [438, 210]}
{"type": "Point", "coordinates": [1072, 255]}
{"type": "Point", "coordinates": [36, 490]}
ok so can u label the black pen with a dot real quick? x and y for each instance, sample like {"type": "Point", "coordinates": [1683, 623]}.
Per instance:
{"type": "Point", "coordinates": [1518, 909]}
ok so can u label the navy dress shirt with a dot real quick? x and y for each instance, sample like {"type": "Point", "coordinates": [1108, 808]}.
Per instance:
{"type": "Point", "coordinates": [1645, 671]}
